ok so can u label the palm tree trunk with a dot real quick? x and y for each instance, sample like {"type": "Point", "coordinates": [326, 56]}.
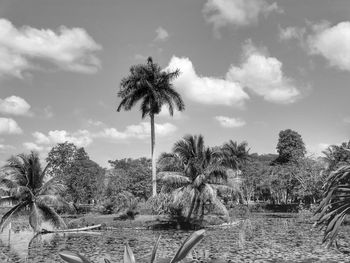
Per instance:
{"type": "Point", "coordinates": [194, 200]}
{"type": "Point", "coordinates": [153, 144]}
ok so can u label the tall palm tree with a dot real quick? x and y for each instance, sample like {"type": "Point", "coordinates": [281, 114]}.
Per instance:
{"type": "Point", "coordinates": [25, 180]}
{"type": "Point", "coordinates": [235, 155]}
{"type": "Point", "coordinates": [198, 176]}
{"type": "Point", "coordinates": [335, 204]}
{"type": "Point", "coordinates": [152, 86]}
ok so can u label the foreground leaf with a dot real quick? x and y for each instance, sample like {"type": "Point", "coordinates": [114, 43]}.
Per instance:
{"type": "Point", "coordinates": [128, 255]}
{"type": "Point", "coordinates": [154, 250]}
{"type": "Point", "coordinates": [188, 245]}
{"type": "Point", "coordinates": [72, 257]}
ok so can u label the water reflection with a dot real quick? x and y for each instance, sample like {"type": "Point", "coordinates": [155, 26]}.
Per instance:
{"type": "Point", "coordinates": [261, 238]}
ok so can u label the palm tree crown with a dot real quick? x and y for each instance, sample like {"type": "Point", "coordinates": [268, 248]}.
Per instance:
{"type": "Point", "coordinates": [152, 86]}
{"type": "Point", "coordinates": [235, 155]}
{"type": "Point", "coordinates": [199, 175]}
{"type": "Point", "coordinates": [25, 182]}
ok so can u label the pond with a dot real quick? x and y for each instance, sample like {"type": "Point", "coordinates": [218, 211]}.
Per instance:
{"type": "Point", "coordinates": [262, 238]}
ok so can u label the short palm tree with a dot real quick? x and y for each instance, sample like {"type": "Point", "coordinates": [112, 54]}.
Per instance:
{"type": "Point", "coordinates": [197, 176]}
{"type": "Point", "coordinates": [235, 155]}
{"type": "Point", "coordinates": [335, 204]}
{"type": "Point", "coordinates": [24, 179]}
{"type": "Point", "coordinates": [152, 86]}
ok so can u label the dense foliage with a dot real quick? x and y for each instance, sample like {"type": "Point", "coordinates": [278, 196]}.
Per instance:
{"type": "Point", "coordinates": [131, 175]}
{"type": "Point", "coordinates": [83, 178]}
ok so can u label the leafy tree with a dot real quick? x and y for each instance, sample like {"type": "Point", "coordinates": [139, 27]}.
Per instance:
{"type": "Point", "coordinates": [200, 176]}
{"type": "Point", "coordinates": [152, 86]}
{"type": "Point", "coordinates": [85, 179]}
{"type": "Point", "coordinates": [61, 158]}
{"type": "Point", "coordinates": [311, 179]}
{"type": "Point", "coordinates": [290, 146]}
{"type": "Point", "coordinates": [235, 155]}
{"type": "Point", "coordinates": [29, 189]}
{"type": "Point", "coordinates": [132, 175]}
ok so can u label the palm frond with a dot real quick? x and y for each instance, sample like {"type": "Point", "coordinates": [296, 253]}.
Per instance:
{"type": "Point", "coordinates": [35, 217]}
{"type": "Point", "coordinates": [173, 178]}
{"type": "Point", "coordinates": [7, 199]}
{"type": "Point", "coordinates": [12, 213]}
{"type": "Point", "coordinates": [51, 186]}
{"type": "Point", "coordinates": [50, 215]}
{"type": "Point", "coordinates": [335, 204]}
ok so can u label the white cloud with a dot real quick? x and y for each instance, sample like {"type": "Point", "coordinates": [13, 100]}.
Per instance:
{"type": "Point", "coordinates": [332, 42]}
{"type": "Point", "coordinates": [162, 34]}
{"type": "Point", "coordinates": [263, 75]}
{"type": "Point", "coordinates": [346, 120]}
{"type": "Point", "coordinates": [81, 138]}
{"type": "Point", "coordinates": [139, 131]}
{"type": "Point", "coordinates": [228, 122]}
{"type": "Point", "coordinates": [69, 49]}
{"type": "Point", "coordinates": [14, 105]}
{"type": "Point", "coordinates": [31, 146]}
{"type": "Point", "coordinates": [291, 33]}
{"type": "Point", "coordinates": [9, 126]}
{"type": "Point", "coordinates": [236, 12]}
{"type": "Point", "coordinates": [206, 90]}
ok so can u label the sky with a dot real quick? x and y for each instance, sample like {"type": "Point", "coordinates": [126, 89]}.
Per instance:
{"type": "Point", "coordinates": [249, 69]}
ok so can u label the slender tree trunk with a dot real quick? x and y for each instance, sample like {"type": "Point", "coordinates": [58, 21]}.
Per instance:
{"type": "Point", "coordinates": [194, 200]}
{"type": "Point", "coordinates": [153, 145]}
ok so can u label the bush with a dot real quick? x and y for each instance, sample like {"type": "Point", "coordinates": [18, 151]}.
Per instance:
{"type": "Point", "coordinates": [161, 204]}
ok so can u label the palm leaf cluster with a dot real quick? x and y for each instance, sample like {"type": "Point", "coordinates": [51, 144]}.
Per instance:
{"type": "Point", "coordinates": [24, 181]}
{"type": "Point", "coordinates": [200, 174]}
{"type": "Point", "coordinates": [235, 154]}
{"type": "Point", "coordinates": [335, 204]}
{"type": "Point", "coordinates": [152, 86]}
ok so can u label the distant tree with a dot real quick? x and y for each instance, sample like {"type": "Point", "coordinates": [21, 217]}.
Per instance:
{"type": "Point", "coordinates": [61, 158]}
{"type": "Point", "coordinates": [254, 173]}
{"type": "Point", "coordinates": [85, 179]}
{"type": "Point", "coordinates": [290, 146]}
{"type": "Point", "coordinates": [311, 178]}
{"type": "Point", "coordinates": [28, 186]}
{"type": "Point", "coordinates": [133, 175]}
{"type": "Point", "coordinates": [152, 86]}
{"type": "Point", "coordinates": [200, 177]}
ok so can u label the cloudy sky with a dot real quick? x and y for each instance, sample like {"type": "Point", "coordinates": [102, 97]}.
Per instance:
{"type": "Point", "coordinates": [249, 68]}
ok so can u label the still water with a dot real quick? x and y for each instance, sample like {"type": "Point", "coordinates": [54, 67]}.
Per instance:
{"type": "Point", "coordinates": [258, 239]}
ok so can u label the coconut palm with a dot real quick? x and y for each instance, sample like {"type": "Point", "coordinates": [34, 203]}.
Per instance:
{"type": "Point", "coordinates": [235, 155]}
{"type": "Point", "coordinates": [152, 86]}
{"type": "Point", "coordinates": [25, 180]}
{"type": "Point", "coordinates": [197, 176]}
{"type": "Point", "coordinates": [335, 204]}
